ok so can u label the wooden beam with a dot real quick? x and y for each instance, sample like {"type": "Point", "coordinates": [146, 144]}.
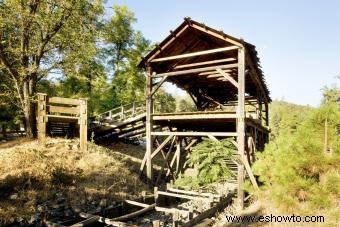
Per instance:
{"type": "Point", "coordinates": [83, 124]}
{"type": "Point", "coordinates": [210, 212]}
{"type": "Point", "coordinates": [221, 134]}
{"type": "Point", "coordinates": [204, 63]}
{"type": "Point", "coordinates": [107, 221]}
{"type": "Point", "coordinates": [75, 102]}
{"type": "Point", "coordinates": [63, 109]}
{"type": "Point", "coordinates": [213, 72]}
{"type": "Point", "coordinates": [189, 197]}
{"type": "Point", "coordinates": [156, 151]}
{"type": "Point", "coordinates": [229, 78]}
{"type": "Point", "coordinates": [148, 124]}
{"type": "Point", "coordinates": [217, 35]}
{"type": "Point", "coordinates": [159, 85]}
{"type": "Point", "coordinates": [188, 71]}
{"type": "Point", "coordinates": [168, 43]}
{"type": "Point", "coordinates": [41, 124]}
{"type": "Point", "coordinates": [241, 126]}
{"type": "Point", "coordinates": [250, 172]}
{"type": "Point", "coordinates": [194, 54]}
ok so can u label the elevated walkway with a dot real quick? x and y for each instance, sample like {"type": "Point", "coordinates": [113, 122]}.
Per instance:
{"type": "Point", "coordinates": [126, 121]}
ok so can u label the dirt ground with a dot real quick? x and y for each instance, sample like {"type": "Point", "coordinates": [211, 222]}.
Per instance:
{"type": "Point", "coordinates": [31, 173]}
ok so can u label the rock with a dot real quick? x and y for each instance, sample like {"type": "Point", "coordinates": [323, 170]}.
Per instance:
{"type": "Point", "coordinates": [68, 213]}
{"type": "Point", "coordinates": [34, 218]}
{"type": "Point", "coordinates": [14, 196]}
{"type": "Point", "coordinates": [103, 203]}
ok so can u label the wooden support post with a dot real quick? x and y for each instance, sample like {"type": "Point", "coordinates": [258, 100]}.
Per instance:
{"type": "Point", "coordinates": [148, 124]}
{"type": "Point", "coordinates": [156, 223]}
{"type": "Point", "coordinates": [241, 126]}
{"type": "Point", "coordinates": [326, 137]}
{"type": "Point", "coordinates": [155, 192]}
{"type": "Point", "coordinates": [83, 125]}
{"type": "Point", "coordinates": [267, 113]}
{"type": "Point", "coordinates": [42, 117]}
{"type": "Point", "coordinates": [175, 219]}
{"type": "Point", "coordinates": [122, 113]}
{"type": "Point", "coordinates": [133, 108]}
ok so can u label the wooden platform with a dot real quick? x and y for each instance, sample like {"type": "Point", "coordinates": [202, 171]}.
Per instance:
{"type": "Point", "coordinates": [221, 121]}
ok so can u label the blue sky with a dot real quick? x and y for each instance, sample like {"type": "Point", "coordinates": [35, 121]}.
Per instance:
{"type": "Point", "coordinates": [298, 41]}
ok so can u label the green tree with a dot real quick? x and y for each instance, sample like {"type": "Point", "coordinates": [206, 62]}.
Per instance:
{"type": "Point", "coordinates": [39, 37]}
{"type": "Point", "coordinates": [297, 173]}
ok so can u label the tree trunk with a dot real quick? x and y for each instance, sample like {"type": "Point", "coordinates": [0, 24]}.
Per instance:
{"type": "Point", "coordinates": [29, 111]}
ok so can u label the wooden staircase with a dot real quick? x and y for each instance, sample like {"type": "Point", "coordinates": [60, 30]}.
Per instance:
{"type": "Point", "coordinates": [124, 122]}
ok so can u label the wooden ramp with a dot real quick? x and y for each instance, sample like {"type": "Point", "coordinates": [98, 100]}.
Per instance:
{"type": "Point", "coordinates": [123, 122]}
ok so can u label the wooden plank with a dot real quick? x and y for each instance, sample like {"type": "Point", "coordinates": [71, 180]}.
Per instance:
{"type": "Point", "coordinates": [60, 116]}
{"type": "Point", "coordinates": [87, 221]}
{"type": "Point", "coordinates": [201, 194]}
{"type": "Point", "coordinates": [204, 63]}
{"type": "Point", "coordinates": [157, 208]}
{"type": "Point", "coordinates": [62, 109]}
{"type": "Point", "coordinates": [229, 78]}
{"type": "Point", "coordinates": [241, 126]}
{"type": "Point", "coordinates": [194, 54]}
{"type": "Point", "coordinates": [221, 134]}
{"type": "Point", "coordinates": [135, 214]}
{"type": "Point", "coordinates": [210, 212]}
{"type": "Point", "coordinates": [189, 71]}
{"type": "Point", "coordinates": [67, 101]}
{"type": "Point", "coordinates": [196, 198]}
{"type": "Point", "coordinates": [218, 115]}
{"type": "Point", "coordinates": [106, 220]}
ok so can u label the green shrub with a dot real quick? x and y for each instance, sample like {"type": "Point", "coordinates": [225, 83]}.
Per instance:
{"type": "Point", "coordinates": [209, 158]}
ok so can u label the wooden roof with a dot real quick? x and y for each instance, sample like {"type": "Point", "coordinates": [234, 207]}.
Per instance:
{"type": "Point", "coordinates": [192, 36]}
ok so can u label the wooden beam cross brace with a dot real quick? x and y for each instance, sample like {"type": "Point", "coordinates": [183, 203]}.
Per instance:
{"type": "Point", "coordinates": [229, 78]}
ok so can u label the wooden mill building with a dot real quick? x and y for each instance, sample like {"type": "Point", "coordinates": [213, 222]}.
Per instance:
{"type": "Point", "coordinates": [223, 76]}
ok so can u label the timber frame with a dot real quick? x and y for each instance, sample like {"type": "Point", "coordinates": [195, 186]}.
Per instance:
{"type": "Point", "coordinates": [57, 109]}
{"type": "Point", "coordinates": [223, 77]}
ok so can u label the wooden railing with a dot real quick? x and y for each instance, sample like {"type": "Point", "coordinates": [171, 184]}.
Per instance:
{"type": "Point", "coordinates": [122, 113]}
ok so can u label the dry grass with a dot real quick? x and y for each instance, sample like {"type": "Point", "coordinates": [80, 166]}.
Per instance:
{"type": "Point", "coordinates": [33, 172]}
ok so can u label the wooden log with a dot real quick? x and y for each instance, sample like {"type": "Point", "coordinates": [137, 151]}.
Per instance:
{"type": "Point", "coordinates": [194, 54]}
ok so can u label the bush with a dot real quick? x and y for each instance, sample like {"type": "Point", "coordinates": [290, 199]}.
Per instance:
{"type": "Point", "coordinates": [209, 158]}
